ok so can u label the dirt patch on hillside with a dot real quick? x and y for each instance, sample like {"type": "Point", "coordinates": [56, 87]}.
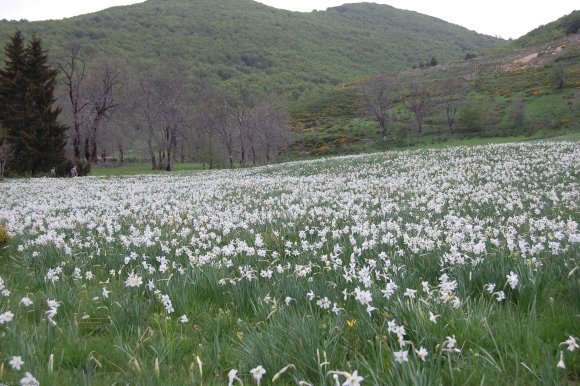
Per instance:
{"type": "Point", "coordinates": [542, 56]}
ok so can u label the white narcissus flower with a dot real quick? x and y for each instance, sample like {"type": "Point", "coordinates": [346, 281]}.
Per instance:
{"type": "Point", "coordinates": [52, 303]}
{"type": "Point", "coordinates": [16, 362]}
{"type": "Point", "coordinates": [363, 296]}
{"type": "Point", "coordinates": [353, 379]}
{"type": "Point", "coordinates": [29, 380]}
{"type": "Point", "coordinates": [432, 317]}
{"type": "Point", "coordinates": [51, 313]}
{"type": "Point", "coordinates": [490, 287]}
{"type": "Point", "coordinates": [512, 279]}
{"type": "Point", "coordinates": [233, 376]}
{"type": "Point", "coordinates": [258, 373]}
{"type": "Point", "coordinates": [422, 353]}
{"type": "Point", "coordinates": [571, 342]}
{"type": "Point", "coordinates": [561, 364]}
{"type": "Point", "coordinates": [25, 301]}
{"type": "Point", "coordinates": [370, 309]}
{"type": "Point", "coordinates": [401, 356]}
{"type": "Point", "coordinates": [6, 317]}
{"type": "Point", "coordinates": [449, 344]}
{"type": "Point", "coordinates": [389, 289]}
{"type": "Point", "coordinates": [133, 280]}
{"type": "Point", "coordinates": [183, 319]}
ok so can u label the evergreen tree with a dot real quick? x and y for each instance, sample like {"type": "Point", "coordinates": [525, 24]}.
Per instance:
{"type": "Point", "coordinates": [44, 138]}
{"type": "Point", "coordinates": [27, 95]}
{"type": "Point", "coordinates": [12, 93]}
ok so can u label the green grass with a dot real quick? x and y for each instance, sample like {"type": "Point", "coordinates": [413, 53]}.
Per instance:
{"type": "Point", "coordinates": [127, 170]}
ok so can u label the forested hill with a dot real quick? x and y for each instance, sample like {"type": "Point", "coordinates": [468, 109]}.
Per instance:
{"type": "Point", "coordinates": [272, 49]}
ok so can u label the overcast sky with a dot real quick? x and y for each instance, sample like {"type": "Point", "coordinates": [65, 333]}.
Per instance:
{"type": "Point", "coordinates": [504, 18]}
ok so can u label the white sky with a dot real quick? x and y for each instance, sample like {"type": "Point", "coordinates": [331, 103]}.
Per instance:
{"type": "Point", "coordinates": [504, 18]}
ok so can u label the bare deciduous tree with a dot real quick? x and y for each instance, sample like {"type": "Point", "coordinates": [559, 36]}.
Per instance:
{"type": "Point", "coordinates": [380, 98]}
{"type": "Point", "coordinates": [202, 136]}
{"type": "Point", "coordinates": [247, 128]}
{"type": "Point", "coordinates": [221, 123]}
{"type": "Point", "coordinates": [417, 104]}
{"type": "Point", "coordinates": [90, 89]}
{"type": "Point", "coordinates": [159, 114]}
{"type": "Point", "coordinates": [241, 107]}
{"type": "Point", "coordinates": [74, 73]}
{"type": "Point", "coordinates": [453, 92]}
{"type": "Point", "coordinates": [273, 131]}
{"type": "Point", "coordinates": [102, 101]}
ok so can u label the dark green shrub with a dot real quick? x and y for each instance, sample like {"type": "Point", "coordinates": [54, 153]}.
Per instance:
{"type": "Point", "coordinates": [84, 168]}
{"type": "Point", "coordinates": [472, 117]}
{"type": "Point", "coordinates": [63, 170]}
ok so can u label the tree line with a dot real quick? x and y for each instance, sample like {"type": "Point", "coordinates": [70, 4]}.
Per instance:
{"type": "Point", "coordinates": [84, 109]}
{"type": "Point", "coordinates": [385, 98]}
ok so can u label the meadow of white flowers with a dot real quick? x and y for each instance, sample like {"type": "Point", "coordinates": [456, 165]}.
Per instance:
{"type": "Point", "coordinates": [338, 271]}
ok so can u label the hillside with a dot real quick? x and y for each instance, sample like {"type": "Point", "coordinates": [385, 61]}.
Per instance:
{"type": "Point", "coordinates": [521, 90]}
{"type": "Point", "coordinates": [242, 40]}
{"type": "Point", "coordinates": [558, 29]}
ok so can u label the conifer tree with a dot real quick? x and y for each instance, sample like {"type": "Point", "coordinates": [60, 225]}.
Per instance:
{"type": "Point", "coordinates": [12, 93]}
{"type": "Point", "coordinates": [44, 137]}
{"type": "Point", "coordinates": [27, 96]}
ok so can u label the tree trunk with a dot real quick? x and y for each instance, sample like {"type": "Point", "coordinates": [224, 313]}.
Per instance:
{"type": "Point", "coordinates": [121, 152]}
{"type": "Point", "coordinates": [253, 155]}
{"type": "Point", "coordinates": [151, 154]}
{"type": "Point", "coordinates": [242, 152]}
{"type": "Point", "coordinates": [87, 149]}
{"type": "Point", "coordinates": [161, 158]}
{"type": "Point", "coordinates": [77, 143]}
{"type": "Point", "coordinates": [210, 150]}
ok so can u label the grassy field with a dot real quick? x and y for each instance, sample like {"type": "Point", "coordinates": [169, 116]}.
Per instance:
{"type": "Point", "coordinates": [455, 266]}
{"type": "Point", "coordinates": [134, 169]}
{"type": "Point", "coordinates": [120, 170]}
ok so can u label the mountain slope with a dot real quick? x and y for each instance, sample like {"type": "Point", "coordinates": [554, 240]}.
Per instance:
{"type": "Point", "coordinates": [231, 40]}
{"type": "Point", "coordinates": [522, 89]}
{"type": "Point", "coordinates": [567, 25]}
